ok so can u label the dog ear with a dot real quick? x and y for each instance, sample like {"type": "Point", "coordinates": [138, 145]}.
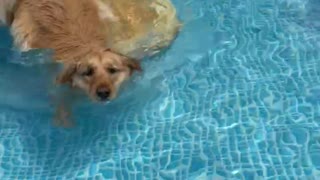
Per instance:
{"type": "Point", "coordinates": [66, 74]}
{"type": "Point", "coordinates": [133, 64]}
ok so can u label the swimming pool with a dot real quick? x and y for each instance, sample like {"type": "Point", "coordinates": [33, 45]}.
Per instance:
{"type": "Point", "coordinates": [235, 97]}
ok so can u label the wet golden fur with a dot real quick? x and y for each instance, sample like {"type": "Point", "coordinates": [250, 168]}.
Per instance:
{"type": "Point", "coordinates": [73, 29]}
{"type": "Point", "coordinates": [134, 28]}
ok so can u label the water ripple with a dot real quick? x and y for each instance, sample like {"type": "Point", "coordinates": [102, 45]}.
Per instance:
{"type": "Point", "coordinates": [235, 97]}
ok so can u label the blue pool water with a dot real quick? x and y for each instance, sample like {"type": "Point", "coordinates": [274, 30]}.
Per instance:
{"type": "Point", "coordinates": [237, 96]}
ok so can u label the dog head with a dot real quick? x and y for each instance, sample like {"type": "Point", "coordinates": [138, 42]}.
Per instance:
{"type": "Point", "coordinates": [100, 75]}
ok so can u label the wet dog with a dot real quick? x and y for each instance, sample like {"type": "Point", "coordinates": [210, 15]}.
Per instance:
{"type": "Point", "coordinates": [74, 30]}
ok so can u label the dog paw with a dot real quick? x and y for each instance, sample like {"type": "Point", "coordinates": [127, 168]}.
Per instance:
{"type": "Point", "coordinates": [63, 119]}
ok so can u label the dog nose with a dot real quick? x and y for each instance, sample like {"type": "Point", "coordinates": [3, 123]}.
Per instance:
{"type": "Point", "coordinates": [103, 93]}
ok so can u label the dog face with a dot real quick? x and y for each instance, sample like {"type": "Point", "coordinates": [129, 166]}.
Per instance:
{"type": "Point", "coordinates": [100, 76]}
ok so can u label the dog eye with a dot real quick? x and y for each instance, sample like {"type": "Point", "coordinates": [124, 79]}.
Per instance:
{"type": "Point", "coordinates": [88, 72]}
{"type": "Point", "coordinates": [112, 70]}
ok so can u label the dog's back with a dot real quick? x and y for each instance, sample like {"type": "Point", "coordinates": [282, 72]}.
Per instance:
{"type": "Point", "coordinates": [69, 27]}
{"type": "Point", "coordinates": [136, 28]}
{"type": "Point", "coordinates": [6, 11]}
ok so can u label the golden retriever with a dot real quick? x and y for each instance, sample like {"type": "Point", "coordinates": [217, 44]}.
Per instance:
{"type": "Point", "coordinates": [76, 29]}
{"type": "Point", "coordinates": [73, 29]}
